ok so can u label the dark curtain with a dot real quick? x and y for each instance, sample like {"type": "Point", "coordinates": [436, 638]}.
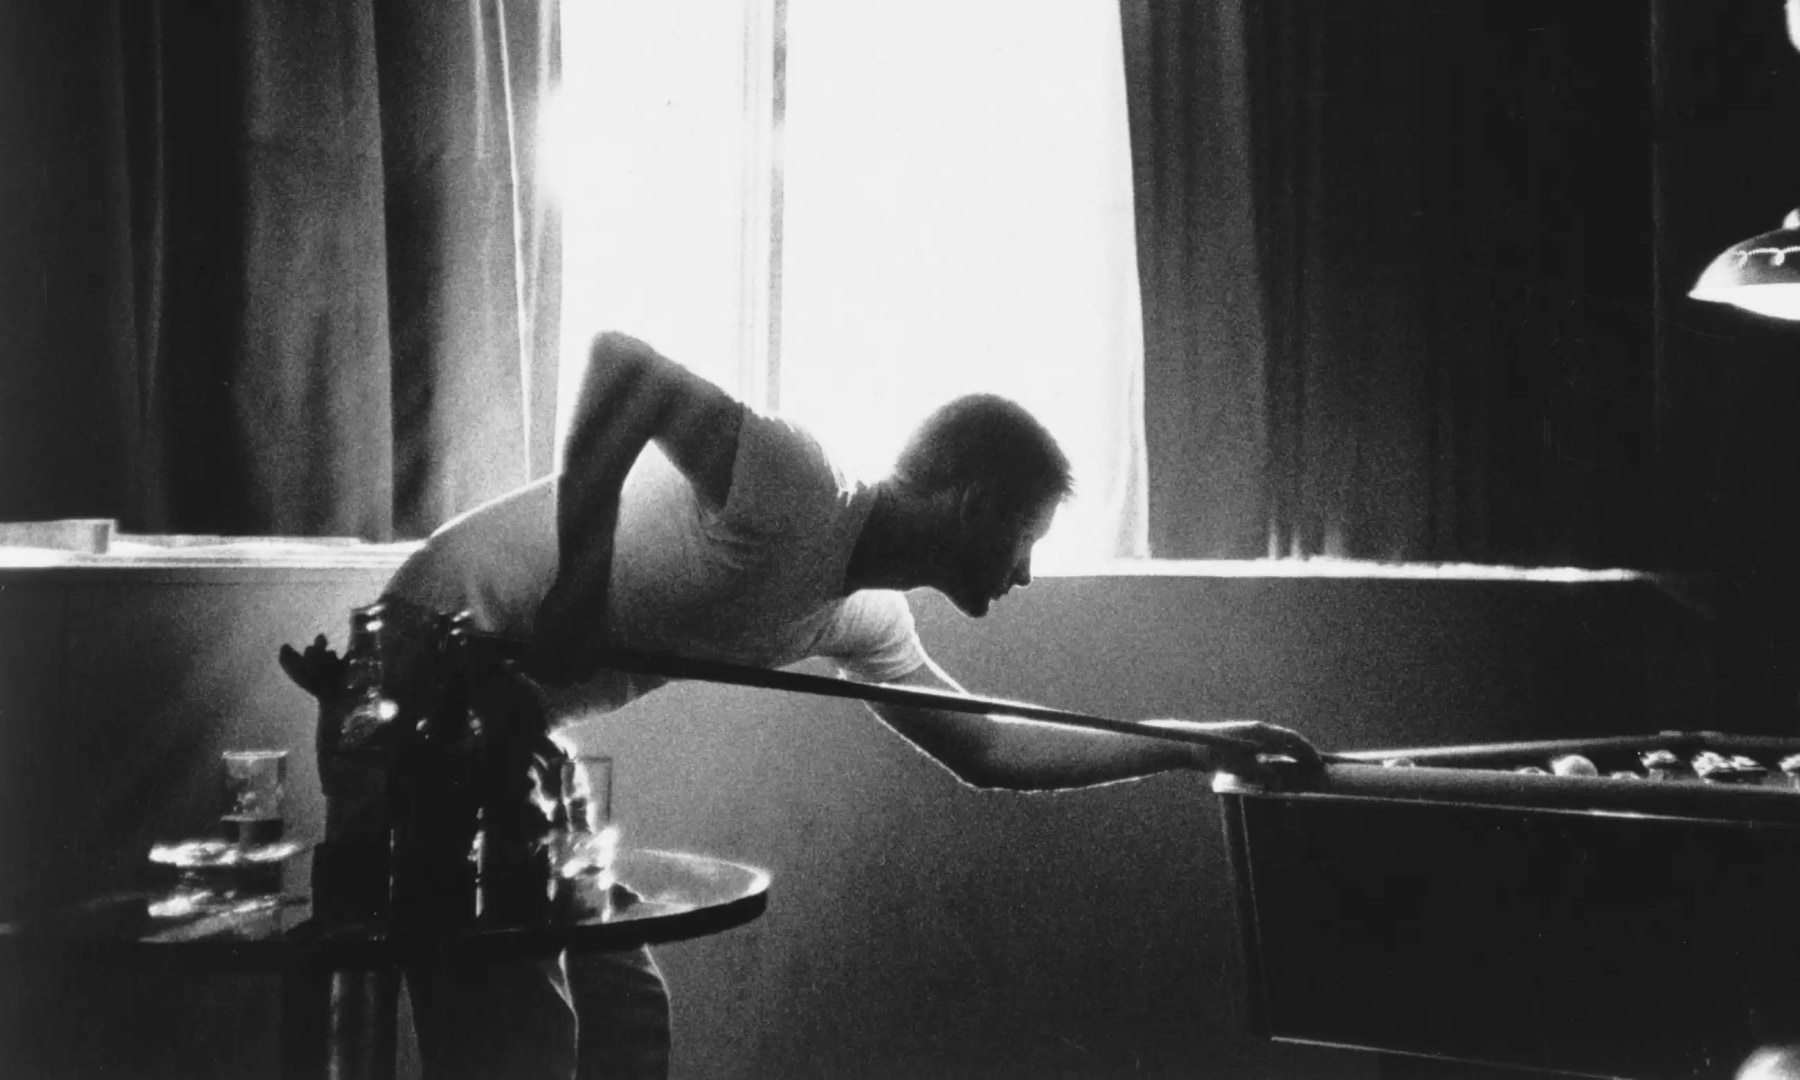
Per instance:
{"type": "Point", "coordinates": [286, 268]}
{"type": "Point", "coordinates": [1397, 277]}
{"type": "Point", "coordinates": [1205, 350]}
{"type": "Point", "coordinates": [1727, 155]}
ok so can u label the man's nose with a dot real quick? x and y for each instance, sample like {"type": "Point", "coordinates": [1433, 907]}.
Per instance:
{"type": "Point", "coordinates": [1022, 573]}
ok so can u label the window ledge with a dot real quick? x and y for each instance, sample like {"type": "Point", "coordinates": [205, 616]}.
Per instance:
{"type": "Point", "coordinates": [1330, 568]}
{"type": "Point", "coordinates": [202, 559]}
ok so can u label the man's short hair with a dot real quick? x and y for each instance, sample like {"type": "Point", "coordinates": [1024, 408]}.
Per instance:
{"type": "Point", "coordinates": [992, 440]}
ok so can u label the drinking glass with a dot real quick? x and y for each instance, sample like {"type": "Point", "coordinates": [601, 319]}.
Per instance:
{"type": "Point", "coordinates": [592, 837]}
{"type": "Point", "coordinates": [255, 781]}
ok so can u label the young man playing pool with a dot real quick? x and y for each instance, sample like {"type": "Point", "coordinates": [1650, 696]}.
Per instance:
{"type": "Point", "coordinates": [685, 523]}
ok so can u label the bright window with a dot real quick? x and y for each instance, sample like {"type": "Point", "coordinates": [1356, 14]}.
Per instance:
{"type": "Point", "coordinates": [653, 149]}
{"type": "Point", "coordinates": [953, 214]}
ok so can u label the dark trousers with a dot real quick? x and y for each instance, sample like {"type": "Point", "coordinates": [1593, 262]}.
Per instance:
{"type": "Point", "coordinates": [598, 1016]}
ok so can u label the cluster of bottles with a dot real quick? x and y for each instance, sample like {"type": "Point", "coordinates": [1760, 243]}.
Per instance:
{"type": "Point", "coordinates": [444, 791]}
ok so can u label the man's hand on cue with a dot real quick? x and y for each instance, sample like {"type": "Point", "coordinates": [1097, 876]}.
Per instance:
{"type": "Point", "coordinates": [1266, 741]}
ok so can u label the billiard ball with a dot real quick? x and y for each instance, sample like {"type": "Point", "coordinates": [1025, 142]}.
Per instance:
{"type": "Point", "coordinates": [1665, 765]}
{"type": "Point", "coordinates": [1574, 765]}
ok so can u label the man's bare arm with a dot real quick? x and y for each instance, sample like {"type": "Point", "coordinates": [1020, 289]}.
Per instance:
{"type": "Point", "coordinates": [629, 395]}
{"type": "Point", "coordinates": [1029, 755]}
{"type": "Point", "coordinates": [1020, 754]}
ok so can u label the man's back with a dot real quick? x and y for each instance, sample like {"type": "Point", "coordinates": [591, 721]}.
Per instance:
{"type": "Point", "coordinates": [757, 581]}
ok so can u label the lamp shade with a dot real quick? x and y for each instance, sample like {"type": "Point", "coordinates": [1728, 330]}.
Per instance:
{"type": "Point", "coordinates": [1761, 274]}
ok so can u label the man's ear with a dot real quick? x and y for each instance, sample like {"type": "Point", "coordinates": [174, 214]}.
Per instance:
{"type": "Point", "coordinates": [974, 507]}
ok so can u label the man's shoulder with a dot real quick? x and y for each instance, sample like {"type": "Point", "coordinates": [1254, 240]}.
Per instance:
{"type": "Point", "coordinates": [873, 636]}
{"type": "Point", "coordinates": [785, 435]}
{"type": "Point", "coordinates": [781, 461]}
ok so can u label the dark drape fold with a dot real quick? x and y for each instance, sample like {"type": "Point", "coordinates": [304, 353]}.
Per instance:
{"type": "Point", "coordinates": [1727, 141]}
{"type": "Point", "coordinates": [326, 265]}
{"type": "Point", "coordinates": [1206, 426]}
{"type": "Point", "coordinates": [1405, 251]}
{"type": "Point", "coordinates": [463, 248]}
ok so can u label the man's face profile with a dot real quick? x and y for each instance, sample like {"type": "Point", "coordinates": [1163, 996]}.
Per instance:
{"type": "Point", "coordinates": [995, 557]}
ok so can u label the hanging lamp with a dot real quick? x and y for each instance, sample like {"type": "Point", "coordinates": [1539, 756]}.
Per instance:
{"type": "Point", "coordinates": [1761, 274]}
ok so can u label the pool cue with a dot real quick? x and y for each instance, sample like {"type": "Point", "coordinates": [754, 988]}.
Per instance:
{"type": "Point", "coordinates": [719, 671]}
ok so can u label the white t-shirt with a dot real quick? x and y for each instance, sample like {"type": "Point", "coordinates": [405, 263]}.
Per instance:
{"type": "Point", "coordinates": [759, 581]}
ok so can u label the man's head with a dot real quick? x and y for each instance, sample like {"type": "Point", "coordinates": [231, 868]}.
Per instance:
{"type": "Point", "coordinates": [997, 476]}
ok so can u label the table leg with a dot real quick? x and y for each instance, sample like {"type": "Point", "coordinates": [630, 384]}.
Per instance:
{"type": "Point", "coordinates": [305, 1023]}
{"type": "Point", "coordinates": [339, 1025]}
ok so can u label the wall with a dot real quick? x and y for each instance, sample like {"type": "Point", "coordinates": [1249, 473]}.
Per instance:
{"type": "Point", "coordinates": [121, 682]}
{"type": "Point", "coordinates": [916, 928]}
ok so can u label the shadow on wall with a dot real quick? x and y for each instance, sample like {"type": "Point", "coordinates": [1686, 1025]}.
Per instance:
{"type": "Point", "coordinates": [119, 689]}
{"type": "Point", "coordinates": [919, 928]}
{"type": "Point", "coordinates": [916, 927]}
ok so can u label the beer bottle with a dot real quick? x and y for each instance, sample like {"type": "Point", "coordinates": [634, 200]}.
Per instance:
{"type": "Point", "coordinates": [438, 831]}
{"type": "Point", "coordinates": [520, 785]}
{"type": "Point", "coordinates": [355, 747]}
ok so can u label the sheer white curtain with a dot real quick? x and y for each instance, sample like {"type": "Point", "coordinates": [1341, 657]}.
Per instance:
{"type": "Point", "coordinates": [653, 140]}
{"type": "Point", "coordinates": [959, 218]}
